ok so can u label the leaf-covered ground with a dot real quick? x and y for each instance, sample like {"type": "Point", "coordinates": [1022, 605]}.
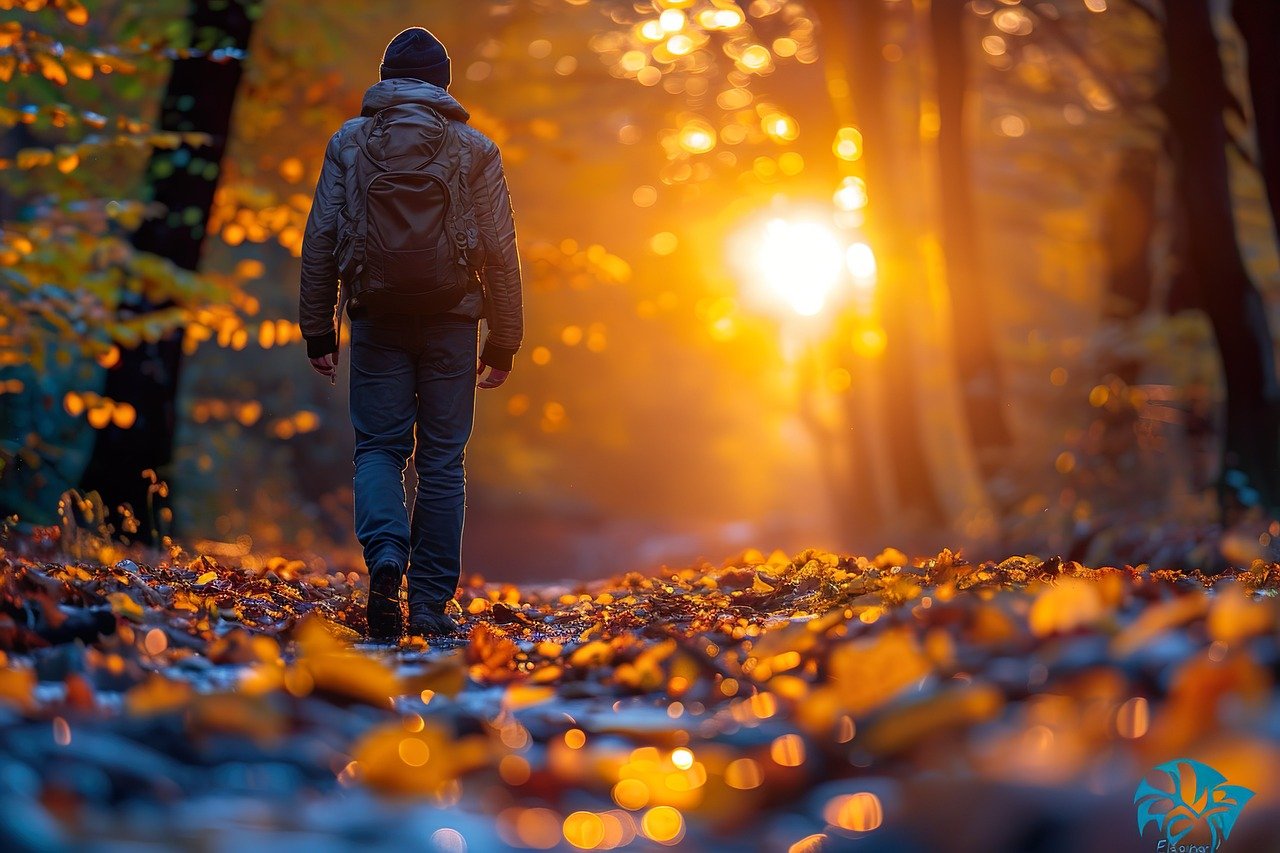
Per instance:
{"type": "Point", "coordinates": [807, 702]}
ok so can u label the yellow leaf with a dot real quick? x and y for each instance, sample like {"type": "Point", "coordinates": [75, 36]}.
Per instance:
{"type": "Point", "coordinates": [1235, 615]}
{"type": "Point", "coordinates": [546, 675]}
{"type": "Point", "coordinates": [252, 716]}
{"type": "Point", "coordinates": [869, 673]}
{"type": "Point", "coordinates": [157, 695]}
{"type": "Point", "coordinates": [394, 760]}
{"type": "Point", "coordinates": [523, 695]}
{"type": "Point", "coordinates": [333, 668]}
{"type": "Point", "coordinates": [595, 653]}
{"type": "Point", "coordinates": [123, 605]}
{"type": "Point", "coordinates": [890, 557]}
{"type": "Point", "coordinates": [955, 706]}
{"type": "Point", "coordinates": [16, 686]}
{"type": "Point", "coordinates": [446, 675]}
{"type": "Point", "coordinates": [1071, 603]}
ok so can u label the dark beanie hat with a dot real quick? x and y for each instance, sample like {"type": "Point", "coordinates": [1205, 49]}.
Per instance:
{"type": "Point", "coordinates": [417, 53]}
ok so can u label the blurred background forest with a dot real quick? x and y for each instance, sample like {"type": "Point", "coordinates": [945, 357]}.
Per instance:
{"type": "Point", "coordinates": [992, 274]}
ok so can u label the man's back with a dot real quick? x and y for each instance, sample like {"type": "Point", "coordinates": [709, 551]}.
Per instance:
{"type": "Point", "coordinates": [479, 164]}
{"type": "Point", "coordinates": [413, 372]}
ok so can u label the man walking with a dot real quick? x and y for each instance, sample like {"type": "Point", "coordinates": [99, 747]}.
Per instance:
{"type": "Point", "coordinates": [413, 216]}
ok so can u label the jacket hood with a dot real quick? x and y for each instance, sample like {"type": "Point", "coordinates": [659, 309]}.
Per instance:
{"type": "Point", "coordinates": [406, 90]}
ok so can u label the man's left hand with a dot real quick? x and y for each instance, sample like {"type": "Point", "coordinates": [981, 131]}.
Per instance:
{"type": "Point", "coordinates": [326, 365]}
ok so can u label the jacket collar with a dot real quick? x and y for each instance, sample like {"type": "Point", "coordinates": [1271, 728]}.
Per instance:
{"type": "Point", "coordinates": [406, 90]}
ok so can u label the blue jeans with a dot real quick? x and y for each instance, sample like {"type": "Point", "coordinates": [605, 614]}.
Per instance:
{"type": "Point", "coordinates": [413, 377]}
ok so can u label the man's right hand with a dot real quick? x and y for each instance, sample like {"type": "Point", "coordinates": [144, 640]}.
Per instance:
{"type": "Point", "coordinates": [495, 377]}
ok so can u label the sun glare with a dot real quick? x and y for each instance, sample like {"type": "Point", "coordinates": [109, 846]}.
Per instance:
{"type": "Point", "coordinates": [796, 265]}
{"type": "Point", "coordinates": [862, 264]}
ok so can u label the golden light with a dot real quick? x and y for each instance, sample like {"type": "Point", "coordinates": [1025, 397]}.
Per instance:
{"type": "Point", "coordinates": [634, 60]}
{"type": "Point", "coordinates": [787, 750]}
{"type": "Point", "coordinates": [663, 824]}
{"type": "Point", "coordinates": [743, 774]}
{"type": "Point", "coordinates": [619, 829]}
{"type": "Point", "coordinates": [781, 127]}
{"type": "Point", "coordinates": [1011, 125]}
{"type": "Point", "coordinates": [651, 31]}
{"type": "Point", "coordinates": [697, 137]}
{"type": "Point", "coordinates": [671, 21]}
{"type": "Point", "coordinates": [663, 243]}
{"type": "Point", "coordinates": [794, 265]}
{"type": "Point", "coordinates": [862, 264]}
{"type": "Point", "coordinates": [791, 163]}
{"type": "Point", "coordinates": [756, 57]}
{"type": "Point", "coordinates": [414, 752]}
{"type": "Point", "coordinates": [631, 794]}
{"type": "Point", "coordinates": [851, 194]}
{"type": "Point", "coordinates": [869, 343]}
{"type": "Point", "coordinates": [1013, 21]}
{"type": "Point", "coordinates": [848, 143]}
{"type": "Point", "coordinates": [584, 830]}
{"type": "Point", "coordinates": [514, 770]}
{"type": "Point", "coordinates": [1134, 718]}
{"type": "Point", "coordinates": [720, 19]}
{"type": "Point", "coordinates": [861, 812]}
{"type": "Point", "coordinates": [61, 732]}
{"type": "Point", "coordinates": [538, 828]}
{"type": "Point", "coordinates": [679, 44]}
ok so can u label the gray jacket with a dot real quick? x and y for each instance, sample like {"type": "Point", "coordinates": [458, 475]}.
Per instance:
{"type": "Point", "coordinates": [501, 302]}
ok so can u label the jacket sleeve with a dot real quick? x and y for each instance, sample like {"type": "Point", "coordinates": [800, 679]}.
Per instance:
{"type": "Point", "coordinates": [504, 304]}
{"type": "Point", "coordinates": [319, 291]}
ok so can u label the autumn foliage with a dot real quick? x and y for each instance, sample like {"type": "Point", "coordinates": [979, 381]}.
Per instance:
{"type": "Point", "coordinates": [678, 705]}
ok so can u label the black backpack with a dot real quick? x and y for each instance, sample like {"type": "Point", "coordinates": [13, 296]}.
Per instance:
{"type": "Point", "coordinates": [408, 229]}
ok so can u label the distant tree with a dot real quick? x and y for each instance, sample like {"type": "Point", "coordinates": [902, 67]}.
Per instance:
{"type": "Point", "coordinates": [1127, 230]}
{"type": "Point", "coordinates": [1259, 23]}
{"type": "Point", "coordinates": [1196, 101]}
{"type": "Point", "coordinates": [74, 86]}
{"type": "Point", "coordinates": [199, 100]}
{"type": "Point", "coordinates": [977, 360]}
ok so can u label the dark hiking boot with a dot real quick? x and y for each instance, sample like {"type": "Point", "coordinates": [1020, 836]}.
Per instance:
{"type": "Point", "coordinates": [386, 622]}
{"type": "Point", "coordinates": [434, 625]}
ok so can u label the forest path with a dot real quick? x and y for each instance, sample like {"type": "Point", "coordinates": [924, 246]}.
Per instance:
{"type": "Point", "coordinates": [816, 700]}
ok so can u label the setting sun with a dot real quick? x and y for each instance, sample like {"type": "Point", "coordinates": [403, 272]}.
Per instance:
{"type": "Point", "coordinates": [796, 265]}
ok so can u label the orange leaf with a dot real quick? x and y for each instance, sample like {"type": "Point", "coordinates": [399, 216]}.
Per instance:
{"type": "Point", "coordinates": [75, 13]}
{"type": "Point", "coordinates": [52, 69]}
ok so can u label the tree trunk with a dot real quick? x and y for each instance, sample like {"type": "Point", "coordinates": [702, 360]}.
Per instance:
{"type": "Point", "coordinates": [199, 98]}
{"type": "Point", "coordinates": [976, 359]}
{"type": "Point", "coordinates": [1259, 24]}
{"type": "Point", "coordinates": [852, 35]}
{"type": "Point", "coordinates": [1128, 225]}
{"type": "Point", "coordinates": [1197, 98]}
